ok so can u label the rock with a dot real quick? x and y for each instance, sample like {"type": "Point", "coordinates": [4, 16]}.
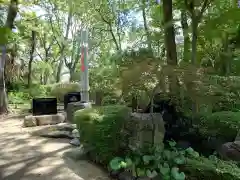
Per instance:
{"type": "Point", "coordinates": [230, 151]}
{"type": "Point", "coordinates": [140, 127]}
{"type": "Point", "coordinates": [30, 121]}
{"type": "Point", "coordinates": [73, 107]}
{"type": "Point", "coordinates": [126, 175]}
{"type": "Point", "coordinates": [78, 153]}
{"type": "Point", "coordinates": [75, 133]}
{"type": "Point", "coordinates": [66, 127]}
{"type": "Point", "coordinates": [58, 134]}
{"type": "Point", "coordinates": [62, 130]}
{"type": "Point", "coordinates": [75, 142]}
{"type": "Point", "coordinates": [114, 174]}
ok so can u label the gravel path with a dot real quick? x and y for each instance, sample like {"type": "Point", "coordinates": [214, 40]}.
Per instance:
{"type": "Point", "coordinates": [24, 157]}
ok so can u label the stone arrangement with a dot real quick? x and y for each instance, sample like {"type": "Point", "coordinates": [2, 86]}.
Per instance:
{"type": "Point", "coordinates": [41, 120]}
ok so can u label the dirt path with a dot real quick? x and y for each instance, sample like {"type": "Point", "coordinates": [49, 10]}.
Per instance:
{"type": "Point", "coordinates": [23, 157]}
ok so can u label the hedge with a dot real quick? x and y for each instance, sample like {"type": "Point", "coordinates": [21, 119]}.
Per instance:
{"type": "Point", "coordinates": [59, 90]}
{"type": "Point", "coordinates": [206, 169]}
{"type": "Point", "coordinates": [223, 125]}
{"type": "Point", "coordinates": [100, 129]}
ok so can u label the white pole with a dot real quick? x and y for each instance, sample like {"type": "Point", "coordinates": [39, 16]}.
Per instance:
{"type": "Point", "coordinates": [84, 74]}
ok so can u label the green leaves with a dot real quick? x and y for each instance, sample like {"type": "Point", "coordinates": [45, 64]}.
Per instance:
{"type": "Point", "coordinates": [4, 34]}
{"type": "Point", "coordinates": [151, 174]}
{"type": "Point", "coordinates": [176, 175]}
{"type": "Point", "coordinates": [147, 159]}
{"type": "Point", "coordinates": [164, 169]}
{"type": "Point", "coordinates": [116, 163]}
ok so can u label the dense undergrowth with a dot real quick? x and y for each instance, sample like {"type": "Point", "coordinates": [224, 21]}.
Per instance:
{"type": "Point", "coordinates": [101, 130]}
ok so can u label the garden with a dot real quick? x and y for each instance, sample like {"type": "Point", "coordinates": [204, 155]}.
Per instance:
{"type": "Point", "coordinates": [164, 80]}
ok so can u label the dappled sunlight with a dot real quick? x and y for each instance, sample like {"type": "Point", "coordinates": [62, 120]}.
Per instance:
{"type": "Point", "coordinates": [26, 157]}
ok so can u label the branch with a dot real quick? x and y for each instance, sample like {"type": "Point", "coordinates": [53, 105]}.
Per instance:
{"type": "Point", "coordinates": [40, 55]}
{"type": "Point", "coordinates": [189, 6]}
{"type": "Point", "coordinates": [206, 3]}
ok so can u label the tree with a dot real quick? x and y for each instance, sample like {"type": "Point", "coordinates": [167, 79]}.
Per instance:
{"type": "Point", "coordinates": [12, 13]}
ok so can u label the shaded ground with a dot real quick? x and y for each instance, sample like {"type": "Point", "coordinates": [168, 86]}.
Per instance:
{"type": "Point", "coordinates": [24, 157]}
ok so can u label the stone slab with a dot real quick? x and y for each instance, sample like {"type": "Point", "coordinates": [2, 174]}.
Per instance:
{"type": "Point", "coordinates": [31, 121]}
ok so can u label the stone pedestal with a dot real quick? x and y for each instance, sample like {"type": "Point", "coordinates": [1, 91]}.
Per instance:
{"type": "Point", "coordinates": [73, 107]}
{"type": "Point", "coordinates": [30, 121]}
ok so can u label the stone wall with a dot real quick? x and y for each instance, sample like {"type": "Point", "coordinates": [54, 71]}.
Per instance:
{"type": "Point", "coordinates": [140, 130]}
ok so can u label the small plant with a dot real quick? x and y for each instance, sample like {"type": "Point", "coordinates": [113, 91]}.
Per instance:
{"type": "Point", "coordinates": [161, 162]}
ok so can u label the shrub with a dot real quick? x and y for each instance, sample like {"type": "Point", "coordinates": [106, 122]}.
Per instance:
{"type": "Point", "coordinates": [222, 125]}
{"type": "Point", "coordinates": [18, 97]}
{"type": "Point", "coordinates": [100, 128]}
{"type": "Point", "coordinates": [59, 90]}
{"type": "Point", "coordinates": [37, 91]}
{"type": "Point", "coordinates": [205, 169]}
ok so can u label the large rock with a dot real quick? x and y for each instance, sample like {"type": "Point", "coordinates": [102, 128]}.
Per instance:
{"type": "Point", "coordinates": [62, 130]}
{"type": "Point", "coordinates": [30, 121]}
{"type": "Point", "coordinates": [141, 127]}
{"type": "Point", "coordinates": [230, 151]}
{"type": "Point", "coordinates": [73, 107]}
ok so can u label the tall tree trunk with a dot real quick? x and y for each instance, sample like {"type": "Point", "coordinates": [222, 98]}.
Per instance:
{"type": "Point", "coordinates": [149, 43]}
{"type": "Point", "coordinates": [185, 28]}
{"type": "Point", "coordinates": [33, 44]}
{"type": "Point", "coordinates": [170, 43]}
{"type": "Point", "coordinates": [12, 13]}
{"type": "Point", "coordinates": [194, 40]}
{"type": "Point", "coordinates": [62, 46]}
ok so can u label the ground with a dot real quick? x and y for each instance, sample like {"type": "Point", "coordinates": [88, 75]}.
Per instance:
{"type": "Point", "coordinates": [24, 157]}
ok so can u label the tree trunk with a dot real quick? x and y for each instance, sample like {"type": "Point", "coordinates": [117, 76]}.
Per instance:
{"type": "Point", "coordinates": [194, 40]}
{"type": "Point", "coordinates": [62, 47]}
{"type": "Point", "coordinates": [3, 93]}
{"type": "Point", "coordinates": [33, 44]}
{"type": "Point", "coordinates": [170, 43]}
{"type": "Point", "coordinates": [146, 25]}
{"type": "Point", "coordinates": [12, 13]}
{"type": "Point", "coordinates": [59, 70]}
{"type": "Point", "coordinates": [185, 28]}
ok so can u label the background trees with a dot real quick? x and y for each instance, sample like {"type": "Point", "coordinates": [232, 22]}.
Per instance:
{"type": "Point", "coordinates": [129, 43]}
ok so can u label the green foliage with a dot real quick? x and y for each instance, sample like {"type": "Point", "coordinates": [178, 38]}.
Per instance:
{"type": "Point", "coordinates": [4, 32]}
{"type": "Point", "coordinates": [159, 161]}
{"type": "Point", "coordinates": [59, 90]}
{"type": "Point", "coordinates": [100, 128]}
{"type": "Point", "coordinates": [18, 97]}
{"type": "Point", "coordinates": [172, 164]}
{"type": "Point", "coordinates": [20, 94]}
{"type": "Point", "coordinates": [204, 169]}
{"type": "Point", "coordinates": [222, 125]}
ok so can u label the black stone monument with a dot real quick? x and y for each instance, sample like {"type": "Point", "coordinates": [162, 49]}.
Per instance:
{"type": "Point", "coordinates": [44, 106]}
{"type": "Point", "coordinates": [71, 97]}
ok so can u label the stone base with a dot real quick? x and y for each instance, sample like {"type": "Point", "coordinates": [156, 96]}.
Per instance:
{"type": "Point", "coordinates": [31, 121]}
{"type": "Point", "coordinates": [73, 107]}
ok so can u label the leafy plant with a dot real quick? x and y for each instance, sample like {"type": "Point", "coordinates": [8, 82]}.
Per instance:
{"type": "Point", "coordinates": [163, 162]}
